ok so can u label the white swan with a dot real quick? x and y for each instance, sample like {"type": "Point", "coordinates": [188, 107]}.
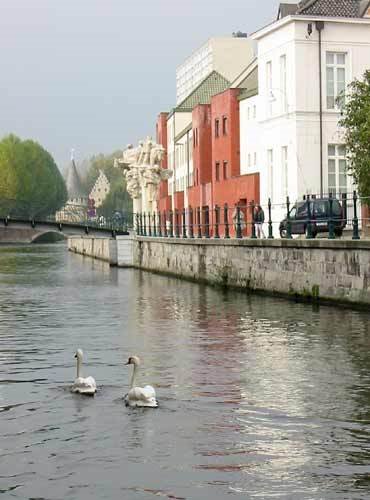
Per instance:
{"type": "Point", "coordinates": [139, 396]}
{"type": "Point", "coordinates": [82, 385]}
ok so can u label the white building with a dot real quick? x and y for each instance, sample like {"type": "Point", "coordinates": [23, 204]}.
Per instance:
{"type": "Point", "coordinates": [226, 55]}
{"type": "Point", "coordinates": [285, 134]}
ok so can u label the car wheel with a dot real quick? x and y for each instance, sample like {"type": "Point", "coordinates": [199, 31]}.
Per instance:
{"type": "Point", "coordinates": [283, 233]}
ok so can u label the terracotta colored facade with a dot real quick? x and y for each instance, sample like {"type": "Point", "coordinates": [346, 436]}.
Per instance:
{"type": "Point", "coordinates": [161, 138]}
{"type": "Point", "coordinates": [216, 167]}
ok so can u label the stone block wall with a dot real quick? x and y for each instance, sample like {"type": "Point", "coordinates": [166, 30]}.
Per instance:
{"type": "Point", "coordinates": [98, 248]}
{"type": "Point", "coordinates": [332, 270]}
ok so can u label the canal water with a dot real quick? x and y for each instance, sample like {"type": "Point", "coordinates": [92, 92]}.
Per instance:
{"type": "Point", "coordinates": [259, 397]}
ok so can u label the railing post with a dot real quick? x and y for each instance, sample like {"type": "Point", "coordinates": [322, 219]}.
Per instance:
{"type": "Point", "coordinates": [199, 223]}
{"type": "Point", "coordinates": [144, 227]}
{"type": "Point", "coordinates": [171, 224]}
{"type": "Point", "coordinates": [206, 217]}
{"type": "Point", "coordinates": [217, 221]}
{"type": "Point", "coordinates": [177, 227]}
{"type": "Point", "coordinates": [191, 223]}
{"type": "Point", "coordinates": [154, 225]}
{"type": "Point", "coordinates": [159, 225]}
{"type": "Point", "coordinates": [254, 236]}
{"type": "Point", "coordinates": [271, 236]}
{"type": "Point", "coordinates": [308, 226]}
{"type": "Point", "coordinates": [355, 234]}
{"type": "Point", "coordinates": [344, 208]}
{"type": "Point", "coordinates": [226, 222]}
{"type": "Point", "coordinates": [330, 222]}
{"type": "Point", "coordinates": [184, 223]}
{"type": "Point", "coordinates": [149, 225]}
{"type": "Point", "coordinates": [165, 224]}
{"type": "Point", "coordinates": [288, 223]}
{"type": "Point", "coordinates": [137, 223]}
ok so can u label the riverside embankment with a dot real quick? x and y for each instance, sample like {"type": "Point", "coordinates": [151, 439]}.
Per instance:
{"type": "Point", "coordinates": [322, 270]}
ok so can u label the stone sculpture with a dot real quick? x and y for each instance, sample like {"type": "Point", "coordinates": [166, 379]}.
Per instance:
{"type": "Point", "coordinates": [143, 173]}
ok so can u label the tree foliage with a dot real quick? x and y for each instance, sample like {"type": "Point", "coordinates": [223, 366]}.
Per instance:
{"type": "Point", "coordinates": [118, 199]}
{"type": "Point", "coordinates": [356, 121]}
{"type": "Point", "coordinates": [30, 181]}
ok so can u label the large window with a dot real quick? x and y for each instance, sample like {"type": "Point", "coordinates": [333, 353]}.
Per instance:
{"type": "Point", "coordinates": [283, 88]}
{"type": "Point", "coordinates": [224, 125]}
{"type": "Point", "coordinates": [284, 169]}
{"type": "Point", "coordinates": [225, 169]}
{"type": "Point", "coordinates": [270, 173]}
{"type": "Point", "coordinates": [335, 79]}
{"type": "Point", "coordinates": [337, 169]}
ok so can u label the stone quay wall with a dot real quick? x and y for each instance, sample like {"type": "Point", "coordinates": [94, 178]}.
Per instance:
{"type": "Point", "coordinates": [95, 247]}
{"type": "Point", "coordinates": [320, 270]}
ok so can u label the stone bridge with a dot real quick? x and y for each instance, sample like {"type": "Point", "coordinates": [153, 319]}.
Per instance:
{"type": "Point", "coordinates": [25, 231]}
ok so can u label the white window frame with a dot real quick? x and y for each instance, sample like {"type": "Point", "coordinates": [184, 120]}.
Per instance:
{"type": "Point", "coordinates": [338, 86]}
{"type": "Point", "coordinates": [336, 163]}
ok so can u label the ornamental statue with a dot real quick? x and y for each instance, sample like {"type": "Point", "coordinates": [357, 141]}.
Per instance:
{"type": "Point", "coordinates": [143, 173]}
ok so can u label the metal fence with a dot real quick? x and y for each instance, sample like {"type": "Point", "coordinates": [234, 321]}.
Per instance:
{"type": "Point", "coordinates": [319, 215]}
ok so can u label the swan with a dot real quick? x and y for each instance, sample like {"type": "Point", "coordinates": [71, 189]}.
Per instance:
{"type": "Point", "coordinates": [139, 396]}
{"type": "Point", "coordinates": [82, 385]}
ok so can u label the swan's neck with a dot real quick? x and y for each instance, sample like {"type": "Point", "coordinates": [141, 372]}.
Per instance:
{"type": "Point", "coordinates": [133, 377]}
{"type": "Point", "coordinates": [79, 363]}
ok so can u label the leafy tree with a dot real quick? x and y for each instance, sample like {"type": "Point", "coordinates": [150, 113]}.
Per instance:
{"type": "Point", "coordinates": [30, 182]}
{"type": "Point", "coordinates": [356, 121]}
{"type": "Point", "coordinates": [117, 199]}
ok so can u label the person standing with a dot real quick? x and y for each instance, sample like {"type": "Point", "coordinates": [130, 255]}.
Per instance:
{"type": "Point", "coordinates": [259, 219]}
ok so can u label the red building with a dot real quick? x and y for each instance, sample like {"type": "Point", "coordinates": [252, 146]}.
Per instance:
{"type": "Point", "coordinates": [215, 179]}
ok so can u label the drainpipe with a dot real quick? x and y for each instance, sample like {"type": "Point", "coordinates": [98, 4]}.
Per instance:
{"type": "Point", "coordinates": [320, 27]}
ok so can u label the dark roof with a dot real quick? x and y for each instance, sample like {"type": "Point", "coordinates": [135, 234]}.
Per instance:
{"type": "Point", "coordinates": [332, 8]}
{"type": "Point", "coordinates": [287, 9]}
{"type": "Point", "coordinates": [73, 183]}
{"type": "Point", "coordinates": [213, 84]}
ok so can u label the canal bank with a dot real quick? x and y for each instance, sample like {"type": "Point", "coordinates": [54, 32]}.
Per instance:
{"type": "Point", "coordinates": [335, 271]}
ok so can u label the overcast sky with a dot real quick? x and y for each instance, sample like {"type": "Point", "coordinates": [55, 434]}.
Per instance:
{"type": "Point", "coordinates": [93, 74]}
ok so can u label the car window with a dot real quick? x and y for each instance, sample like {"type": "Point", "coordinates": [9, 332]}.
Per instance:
{"type": "Point", "coordinates": [301, 209]}
{"type": "Point", "coordinates": [320, 209]}
{"type": "Point", "coordinates": [293, 212]}
{"type": "Point", "coordinates": [337, 209]}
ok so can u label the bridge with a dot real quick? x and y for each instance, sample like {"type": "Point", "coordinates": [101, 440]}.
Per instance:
{"type": "Point", "coordinates": [15, 229]}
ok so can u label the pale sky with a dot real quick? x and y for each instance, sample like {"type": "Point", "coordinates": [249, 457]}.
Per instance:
{"type": "Point", "coordinates": [93, 74]}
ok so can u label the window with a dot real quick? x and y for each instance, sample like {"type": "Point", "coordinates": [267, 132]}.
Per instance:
{"type": "Point", "coordinates": [335, 79]}
{"type": "Point", "coordinates": [217, 171]}
{"type": "Point", "coordinates": [225, 169]}
{"type": "Point", "coordinates": [217, 128]}
{"type": "Point", "coordinates": [224, 125]}
{"type": "Point", "coordinates": [283, 88]}
{"type": "Point", "coordinates": [249, 160]}
{"type": "Point", "coordinates": [254, 111]}
{"type": "Point", "coordinates": [337, 169]}
{"type": "Point", "coordinates": [269, 87]}
{"type": "Point", "coordinates": [270, 173]}
{"type": "Point", "coordinates": [284, 170]}
{"type": "Point", "coordinates": [255, 159]}
{"type": "Point", "coordinates": [249, 113]}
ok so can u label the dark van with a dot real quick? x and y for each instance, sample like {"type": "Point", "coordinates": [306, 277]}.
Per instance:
{"type": "Point", "coordinates": [319, 216]}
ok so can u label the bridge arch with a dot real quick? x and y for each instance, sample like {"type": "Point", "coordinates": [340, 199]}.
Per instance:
{"type": "Point", "coordinates": [48, 237]}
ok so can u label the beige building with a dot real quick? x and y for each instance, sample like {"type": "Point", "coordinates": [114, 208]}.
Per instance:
{"type": "Point", "coordinates": [226, 55]}
{"type": "Point", "coordinates": [100, 190]}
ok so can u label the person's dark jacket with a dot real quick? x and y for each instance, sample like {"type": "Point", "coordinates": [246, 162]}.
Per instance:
{"type": "Point", "coordinates": [259, 216]}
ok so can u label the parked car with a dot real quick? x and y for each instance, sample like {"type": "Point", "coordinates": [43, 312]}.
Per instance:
{"type": "Point", "coordinates": [319, 217]}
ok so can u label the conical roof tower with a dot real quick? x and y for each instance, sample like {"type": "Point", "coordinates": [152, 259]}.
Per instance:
{"type": "Point", "coordinates": [73, 182]}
